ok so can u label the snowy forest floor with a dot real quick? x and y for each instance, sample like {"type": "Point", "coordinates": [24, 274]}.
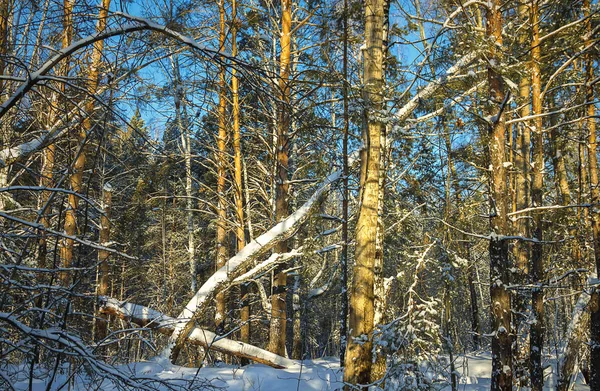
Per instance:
{"type": "Point", "coordinates": [321, 374]}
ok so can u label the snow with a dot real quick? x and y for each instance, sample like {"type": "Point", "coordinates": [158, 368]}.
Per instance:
{"type": "Point", "coordinates": [322, 374]}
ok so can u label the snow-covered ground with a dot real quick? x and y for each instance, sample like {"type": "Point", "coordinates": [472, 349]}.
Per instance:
{"type": "Point", "coordinates": [323, 374]}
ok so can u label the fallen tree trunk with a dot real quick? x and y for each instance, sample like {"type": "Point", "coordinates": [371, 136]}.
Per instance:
{"type": "Point", "coordinates": [576, 333]}
{"type": "Point", "coordinates": [147, 317]}
{"type": "Point", "coordinates": [234, 267]}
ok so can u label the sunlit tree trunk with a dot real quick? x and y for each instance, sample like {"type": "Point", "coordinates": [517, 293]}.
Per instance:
{"type": "Point", "coordinates": [595, 200]}
{"type": "Point", "coordinates": [498, 247]}
{"type": "Point", "coordinates": [359, 349]}
{"type": "Point", "coordinates": [521, 225]}
{"type": "Point", "coordinates": [345, 192]}
{"type": "Point", "coordinates": [70, 225]}
{"type": "Point", "coordinates": [238, 171]}
{"type": "Point", "coordinates": [277, 329]}
{"type": "Point", "coordinates": [537, 267]}
{"type": "Point", "coordinates": [221, 176]}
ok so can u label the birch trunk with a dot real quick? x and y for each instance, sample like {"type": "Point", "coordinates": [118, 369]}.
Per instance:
{"type": "Point", "coordinates": [155, 320]}
{"type": "Point", "coordinates": [102, 290]}
{"type": "Point", "coordinates": [361, 321]}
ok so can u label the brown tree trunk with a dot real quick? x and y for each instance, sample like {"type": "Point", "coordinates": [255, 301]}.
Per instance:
{"type": "Point", "coordinates": [221, 173]}
{"type": "Point", "coordinates": [498, 248]}
{"type": "Point", "coordinates": [358, 353]}
{"type": "Point", "coordinates": [521, 225]}
{"type": "Point", "coordinates": [5, 13]}
{"type": "Point", "coordinates": [345, 195]}
{"type": "Point", "coordinates": [70, 225]}
{"type": "Point", "coordinates": [239, 185]}
{"type": "Point", "coordinates": [595, 201]}
{"type": "Point", "coordinates": [277, 331]}
{"type": "Point", "coordinates": [536, 341]}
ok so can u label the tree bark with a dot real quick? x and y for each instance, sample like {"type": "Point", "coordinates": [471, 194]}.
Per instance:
{"type": "Point", "coordinates": [521, 226]}
{"type": "Point", "coordinates": [277, 330]}
{"type": "Point", "coordinates": [221, 177]}
{"type": "Point", "coordinates": [5, 13]}
{"type": "Point", "coordinates": [576, 333]}
{"type": "Point", "coordinates": [595, 201]}
{"type": "Point", "coordinates": [536, 341]}
{"type": "Point", "coordinates": [361, 321]}
{"type": "Point", "coordinates": [498, 247]}
{"type": "Point", "coordinates": [238, 181]}
{"type": "Point", "coordinates": [345, 192]}
{"type": "Point", "coordinates": [102, 319]}
{"type": "Point", "coordinates": [70, 225]}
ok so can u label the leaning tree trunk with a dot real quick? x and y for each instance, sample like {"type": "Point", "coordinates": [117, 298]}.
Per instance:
{"type": "Point", "coordinates": [277, 328]}
{"type": "Point", "coordinates": [359, 352]}
{"type": "Point", "coordinates": [66, 251]}
{"type": "Point", "coordinates": [498, 248]}
{"type": "Point", "coordinates": [155, 320]}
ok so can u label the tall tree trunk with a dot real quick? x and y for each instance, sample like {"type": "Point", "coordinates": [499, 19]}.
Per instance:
{"type": "Point", "coordinates": [345, 192]}
{"type": "Point", "coordinates": [277, 329]}
{"type": "Point", "coordinates": [70, 225]}
{"type": "Point", "coordinates": [537, 267]}
{"type": "Point", "coordinates": [5, 12]}
{"type": "Point", "coordinates": [595, 200]}
{"type": "Point", "coordinates": [521, 226]}
{"type": "Point", "coordinates": [498, 248]}
{"type": "Point", "coordinates": [358, 354]}
{"type": "Point", "coordinates": [221, 174]}
{"type": "Point", "coordinates": [239, 185]}
{"type": "Point", "coordinates": [102, 289]}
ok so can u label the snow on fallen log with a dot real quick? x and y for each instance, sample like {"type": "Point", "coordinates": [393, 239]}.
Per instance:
{"type": "Point", "coordinates": [242, 260]}
{"type": "Point", "coordinates": [147, 317]}
{"type": "Point", "coordinates": [576, 333]}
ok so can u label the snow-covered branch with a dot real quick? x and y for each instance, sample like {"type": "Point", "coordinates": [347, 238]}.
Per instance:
{"type": "Point", "coordinates": [147, 317]}
{"type": "Point", "coordinates": [233, 267]}
{"type": "Point", "coordinates": [430, 89]}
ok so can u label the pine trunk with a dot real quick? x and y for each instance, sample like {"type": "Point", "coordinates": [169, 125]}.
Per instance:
{"type": "Point", "coordinates": [595, 201]}
{"type": "Point", "coordinates": [498, 248]}
{"type": "Point", "coordinates": [521, 226]}
{"type": "Point", "coordinates": [537, 266]}
{"type": "Point", "coordinates": [277, 330]}
{"type": "Point", "coordinates": [222, 252]}
{"type": "Point", "coordinates": [70, 225]}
